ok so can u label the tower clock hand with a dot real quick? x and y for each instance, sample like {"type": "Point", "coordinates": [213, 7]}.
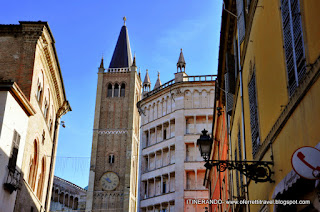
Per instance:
{"type": "Point", "coordinates": [107, 179]}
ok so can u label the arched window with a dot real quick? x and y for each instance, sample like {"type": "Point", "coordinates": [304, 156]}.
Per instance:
{"type": "Point", "coordinates": [116, 90]}
{"type": "Point", "coordinates": [109, 93]}
{"type": "Point", "coordinates": [123, 90]}
{"type": "Point", "coordinates": [39, 91]}
{"type": "Point", "coordinates": [61, 198]}
{"type": "Point", "coordinates": [41, 179]}
{"type": "Point", "coordinates": [50, 126]}
{"type": "Point", "coordinates": [33, 166]}
{"type": "Point", "coordinates": [66, 200]}
{"type": "Point", "coordinates": [75, 206]}
{"type": "Point", "coordinates": [71, 202]}
{"type": "Point", "coordinates": [56, 196]}
{"type": "Point", "coordinates": [46, 108]}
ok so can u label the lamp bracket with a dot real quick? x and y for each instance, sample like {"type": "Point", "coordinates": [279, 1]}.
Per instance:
{"type": "Point", "coordinates": [258, 171]}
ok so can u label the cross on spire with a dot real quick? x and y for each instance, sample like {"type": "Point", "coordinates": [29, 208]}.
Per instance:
{"type": "Point", "coordinates": [124, 20]}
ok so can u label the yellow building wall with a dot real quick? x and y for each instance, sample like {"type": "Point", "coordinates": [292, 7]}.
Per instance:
{"type": "Point", "coordinates": [310, 19]}
{"type": "Point", "coordinates": [265, 51]}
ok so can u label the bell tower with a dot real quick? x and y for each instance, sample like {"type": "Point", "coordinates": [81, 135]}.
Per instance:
{"type": "Point", "coordinates": [115, 144]}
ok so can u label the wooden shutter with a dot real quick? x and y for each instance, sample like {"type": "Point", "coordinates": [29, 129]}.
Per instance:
{"type": "Point", "coordinates": [229, 96]}
{"type": "Point", "coordinates": [241, 21]}
{"type": "Point", "coordinates": [293, 43]}
{"type": "Point", "coordinates": [229, 79]}
{"type": "Point", "coordinates": [298, 39]}
{"type": "Point", "coordinates": [254, 121]}
{"type": "Point", "coordinates": [14, 151]}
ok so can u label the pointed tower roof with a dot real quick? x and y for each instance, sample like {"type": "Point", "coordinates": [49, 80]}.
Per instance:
{"type": "Point", "coordinates": [134, 60]}
{"type": "Point", "coordinates": [158, 83]}
{"type": "Point", "coordinates": [101, 68]}
{"type": "Point", "coordinates": [122, 57]}
{"type": "Point", "coordinates": [147, 79]}
{"type": "Point", "coordinates": [101, 64]}
{"type": "Point", "coordinates": [181, 62]}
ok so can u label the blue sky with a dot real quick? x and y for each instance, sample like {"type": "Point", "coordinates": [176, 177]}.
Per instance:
{"type": "Point", "coordinates": [84, 30]}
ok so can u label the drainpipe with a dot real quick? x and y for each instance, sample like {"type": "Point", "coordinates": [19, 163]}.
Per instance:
{"type": "Point", "coordinates": [230, 150]}
{"type": "Point", "coordinates": [64, 108]}
{"type": "Point", "coordinates": [242, 124]}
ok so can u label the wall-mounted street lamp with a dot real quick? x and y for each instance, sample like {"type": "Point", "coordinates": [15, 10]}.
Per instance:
{"type": "Point", "coordinates": [258, 171]}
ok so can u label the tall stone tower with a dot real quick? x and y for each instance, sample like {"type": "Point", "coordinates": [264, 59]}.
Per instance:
{"type": "Point", "coordinates": [115, 143]}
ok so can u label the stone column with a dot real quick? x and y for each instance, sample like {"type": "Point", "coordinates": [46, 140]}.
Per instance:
{"type": "Point", "coordinates": [207, 123]}
{"type": "Point", "coordinates": [169, 155]}
{"type": "Point", "coordinates": [195, 151]}
{"type": "Point", "coordinates": [169, 182]}
{"type": "Point", "coordinates": [195, 124]}
{"type": "Point", "coordinates": [196, 178]}
{"type": "Point", "coordinates": [161, 157]}
{"type": "Point", "coordinates": [169, 129]}
{"type": "Point", "coordinates": [155, 160]}
{"type": "Point", "coordinates": [161, 185]}
{"type": "Point", "coordinates": [147, 191]}
{"type": "Point", "coordinates": [154, 186]}
{"type": "Point", "coordinates": [148, 168]}
{"type": "Point", "coordinates": [156, 134]}
{"type": "Point", "coordinates": [112, 90]}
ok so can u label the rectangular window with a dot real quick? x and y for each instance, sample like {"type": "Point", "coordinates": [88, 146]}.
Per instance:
{"type": "Point", "coordinates": [293, 43]}
{"type": "Point", "coordinates": [254, 119]}
{"type": "Point", "coordinates": [164, 187]}
{"type": "Point", "coordinates": [111, 158]}
{"type": "Point", "coordinates": [14, 151]}
{"type": "Point", "coordinates": [241, 20]}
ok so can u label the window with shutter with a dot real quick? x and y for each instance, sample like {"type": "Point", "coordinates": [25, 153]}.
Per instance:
{"type": "Point", "coordinates": [14, 151]}
{"type": "Point", "coordinates": [254, 120]}
{"type": "Point", "coordinates": [240, 20]}
{"type": "Point", "coordinates": [240, 157]}
{"type": "Point", "coordinates": [293, 43]}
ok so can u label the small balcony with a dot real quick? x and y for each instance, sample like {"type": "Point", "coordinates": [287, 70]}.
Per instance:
{"type": "Point", "coordinates": [12, 181]}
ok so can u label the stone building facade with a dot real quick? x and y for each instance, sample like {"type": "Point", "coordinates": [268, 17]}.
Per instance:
{"type": "Point", "coordinates": [172, 118]}
{"type": "Point", "coordinates": [28, 58]}
{"type": "Point", "coordinates": [114, 157]}
{"type": "Point", "coordinates": [15, 111]}
{"type": "Point", "coordinates": [67, 196]}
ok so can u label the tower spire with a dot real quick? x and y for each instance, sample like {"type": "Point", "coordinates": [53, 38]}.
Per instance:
{"type": "Point", "coordinates": [122, 57]}
{"type": "Point", "coordinates": [146, 82]}
{"type": "Point", "coordinates": [181, 63]}
{"type": "Point", "coordinates": [101, 68]}
{"type": "Point", "coordinates": [158, 83]}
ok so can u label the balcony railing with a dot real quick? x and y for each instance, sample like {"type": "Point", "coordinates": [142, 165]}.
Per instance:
{"type": "Point", "coordinates": [12, 181]}
{"type": "Point", "coordinates": [197, 78]}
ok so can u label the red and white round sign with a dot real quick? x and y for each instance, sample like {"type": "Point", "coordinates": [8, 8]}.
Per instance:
{"type": "Point", "coordinates": [306, 162]}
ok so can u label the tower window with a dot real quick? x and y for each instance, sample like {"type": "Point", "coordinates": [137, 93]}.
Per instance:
{"type": "Point", "coordinates": [116, 90]}
{"type": "Point", "coordinates": [39, 92]}
{"type": "Point", "coordinates": [109, 93]}
{"type": "Point", "coordinates": [122, 90]}
{"type": "Point", "coordinates": [111, 158]}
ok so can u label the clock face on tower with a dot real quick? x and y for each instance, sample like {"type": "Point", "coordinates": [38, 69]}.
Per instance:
{"type": "Point", "coordinates": [109, 181]}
